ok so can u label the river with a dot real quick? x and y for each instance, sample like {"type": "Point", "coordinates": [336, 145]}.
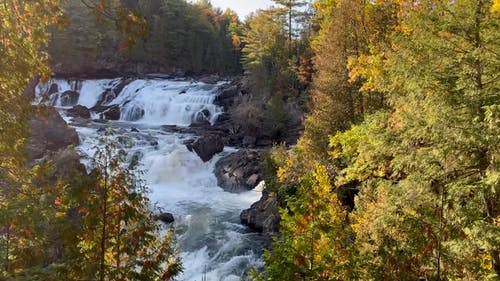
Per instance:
{"type": "Point", "coordinates": [211, 241]}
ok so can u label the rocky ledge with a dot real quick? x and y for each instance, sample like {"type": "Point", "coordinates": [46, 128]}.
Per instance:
{"type": "Point", "coordinates": [49, 133]}
{"type": "Point", "coordinates": [263, 215]}
{"type": "Point", "coordinates": [239, 171]}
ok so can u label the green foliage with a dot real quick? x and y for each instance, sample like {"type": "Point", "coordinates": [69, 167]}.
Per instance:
{"type": "Point", "coordinates": [427, 167]}
{"type": "Point", "coordinates": [271, 75]}
{"type": "Point", "coordinates": [119, 239]}
{"type": "Point", "coordinates": [43, 208]}
{"type": "Point", "coordinates": [158, 35]}
{"type": "Point", "coordinates": [405, 109]}
{"type": "Point", "coordinates": [24, 212]}
{"type": "Point", "coordinates": [315, 236]}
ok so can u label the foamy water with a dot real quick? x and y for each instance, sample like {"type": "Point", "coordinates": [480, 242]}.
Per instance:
{"type": "Point", "coordinates": [212, 242]}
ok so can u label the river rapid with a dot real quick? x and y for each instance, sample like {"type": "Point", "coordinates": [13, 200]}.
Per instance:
{"type": "Point", "coordinates": [210, 239]}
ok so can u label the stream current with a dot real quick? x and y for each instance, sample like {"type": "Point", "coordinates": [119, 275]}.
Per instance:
{"type": "Point", "coordinates": [210, 239]}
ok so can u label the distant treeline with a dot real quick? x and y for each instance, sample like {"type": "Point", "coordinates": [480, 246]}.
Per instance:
{"type": "Point", "coordinates": [177, 37]}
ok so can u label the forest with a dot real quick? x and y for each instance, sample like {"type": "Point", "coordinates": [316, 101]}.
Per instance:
{"type": "Point", "coordinates": [395, 176]}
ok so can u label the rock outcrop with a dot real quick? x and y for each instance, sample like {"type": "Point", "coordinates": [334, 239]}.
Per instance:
{"type": "Point", "coordinates": [206, 146]}
{"type": "Point", "coordinates": [79, 111]}
{"type": "Point", "coordinates": [69, 98]}
{"type": "Point", "coordinates": [227, 96]}
{"type": "Point", "coordinates": [239, 171]}
{"type": "Point", "coordinates": [166, 218]}
{"type": "Point", "coordinates": [112, 113]}
{"type": "Point", "coordinates": [49, 132]}
{"type": "Point", "coordinates": [263, 215]}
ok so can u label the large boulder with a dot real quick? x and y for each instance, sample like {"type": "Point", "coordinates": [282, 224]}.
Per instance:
{"type": "Point", "coordinates": [79, 111]}
{"type": "Point", "coordinates": [69, 98]}
{"type": "Point", "coordinates": [263, 215]}
{"type": "Point", "coordinates": [239, 171]}
{"type": "Point", "coordinates": [49, 132]}
{"type": "Point", "coordinates": [206, 146]}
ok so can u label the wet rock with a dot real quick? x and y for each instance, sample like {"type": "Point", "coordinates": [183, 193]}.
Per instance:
{"type": "Point", "coordinates": [210, 79]}
{"type": "Point", "coordinates": [54, 88]}
{"type": "Point", "coordinates": [107, 97]}
{"type": "Point", "coordinates": [202, 116]}
{"type": "Point", "coordinates": [222, 119]}
{"type": "Point", "coordinates": [79, 122]}
{"type": "Point", "coordinates": [133, 113]}
{"type": "Point", "coordinates": [99, 108]}
{"type": "Point", "coordinates": [263, 215]}
{"type": "Point", "coordinates": [112, 113]}
{"type": "Point", "coordinates": [227, 96]}
{"type": "Point", "coordinates": [134, 160]}
{"type": "Point", "coordinates": [134, 129]}
{"type": "Point", "coordinates": [79, 111]}
{"type": "Point", "coordinates": [206, 146]}
{"type": "Point", "coordinates": [165, 218]}
{"type": "Point", "coordinates": [69, 98]}
{"type": "Point", "coordinates": [252, 180]}
{"type": "Point", "coordinates": [239, 171]}
{"type": "Point", "coordinates": [201, 124]}
{"type": "Point", "coordinates": [49, 132]}
{"type": "Point", "coordinates": [119, 88]}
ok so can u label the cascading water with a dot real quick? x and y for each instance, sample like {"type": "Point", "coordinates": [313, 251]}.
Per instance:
{"type": "Point", "coordinates": [212, 242]}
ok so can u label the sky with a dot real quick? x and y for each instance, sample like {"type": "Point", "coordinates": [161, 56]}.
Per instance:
{"type": "Point", "coordinates": [242, 7]}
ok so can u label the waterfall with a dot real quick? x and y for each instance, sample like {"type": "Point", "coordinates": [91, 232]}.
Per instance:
{"type": "Point", "coordinates": [211, 241]}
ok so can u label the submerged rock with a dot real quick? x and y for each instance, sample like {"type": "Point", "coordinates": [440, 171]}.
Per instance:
{"type": "Point", "coordinates": [165, 218]}
{"type": "Point", "coordinates": [239, 171]}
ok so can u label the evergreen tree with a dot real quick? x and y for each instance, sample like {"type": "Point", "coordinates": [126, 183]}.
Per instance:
{"type": "Point", "coordinates": [120, 240]}
{"type": "Point", "coordinates": [335, 104]}
{"type": "Point", "coordinates": [427, 167]}
{"type": "Point", "coordinates": [315, 238]}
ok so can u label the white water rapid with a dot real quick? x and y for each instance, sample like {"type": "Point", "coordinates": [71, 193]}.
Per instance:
{"type": "Point", "coordinates": [211, 241]}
